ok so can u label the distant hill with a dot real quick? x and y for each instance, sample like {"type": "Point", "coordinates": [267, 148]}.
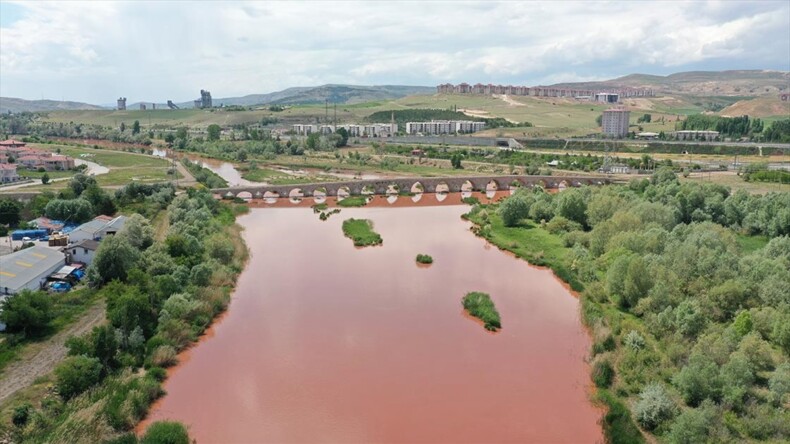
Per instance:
{"type": "Point", "coordinates": [21, 105]}
{"type": "Point", "coordinates": [700, 83]}
{"type": "Point", "coordinates": [340, 94]}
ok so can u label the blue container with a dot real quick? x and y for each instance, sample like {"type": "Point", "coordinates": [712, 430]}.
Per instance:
{"type": "Point", "coordinates": [33, 234]}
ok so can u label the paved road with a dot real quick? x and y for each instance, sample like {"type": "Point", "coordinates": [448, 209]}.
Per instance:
{"type": "Point", "coordinates": [93, 169]}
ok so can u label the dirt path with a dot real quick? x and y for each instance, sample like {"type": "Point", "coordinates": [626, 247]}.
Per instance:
{"type": "Point", "coordinates": [509, 101]}
{"type": "Point", "coordinates": [41, 358]}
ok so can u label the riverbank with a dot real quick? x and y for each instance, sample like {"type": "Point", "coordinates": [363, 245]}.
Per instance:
{"type": "Point", "coordinates": [689, 337]}
{"type": "Point", "coordinates": [164, 299]}
{"type": "Point", "coordinates": [328, 341]}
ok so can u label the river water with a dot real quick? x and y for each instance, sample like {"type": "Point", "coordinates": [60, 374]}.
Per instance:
{"type": "Point", "coordinates": [325, 342]}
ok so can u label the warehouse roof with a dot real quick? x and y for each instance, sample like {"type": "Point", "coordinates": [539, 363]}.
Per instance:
{"type": "Point", "coordinates": [19, 268]}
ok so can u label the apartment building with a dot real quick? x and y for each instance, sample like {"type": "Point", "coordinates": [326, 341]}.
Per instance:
{"type": "Point", "coordinates": [444, 127]}
{"type": "Point", "coordinates": [614, 122]}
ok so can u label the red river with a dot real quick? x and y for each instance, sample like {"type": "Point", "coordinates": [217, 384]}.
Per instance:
{"type": "Point", "coordinates": [325, 342]}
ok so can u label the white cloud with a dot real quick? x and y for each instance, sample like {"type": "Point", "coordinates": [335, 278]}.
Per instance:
{"type": "Point", "coordinates": [169, 50]}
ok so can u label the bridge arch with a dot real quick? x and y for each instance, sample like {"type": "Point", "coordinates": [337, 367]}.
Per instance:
{"type": "Point", "coordinates": [319, 195]}
{"type": "Point", "coordinates": [270, 197]}
{"type": "Point", "coordinates": [246, 195]}
{"type": "Point", "coordinates": [296, 195]}
{"type": "Point", "coordinates": [417, 188]}
{"type": "Point", "coordinates": [442, 188]}
{"type": "Point", "coordinates": [368, 190]}
{"type": "Point", "coordinates": [343, 192]}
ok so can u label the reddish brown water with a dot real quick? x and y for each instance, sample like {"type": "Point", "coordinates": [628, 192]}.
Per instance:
{"type": "Point", "coordinates": [324, 342]}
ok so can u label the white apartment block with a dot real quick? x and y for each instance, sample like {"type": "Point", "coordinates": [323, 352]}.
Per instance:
{"type": "Point", "coordinates": [444, 127]}
{"type": "Point", "coordinates": [304, 130]}
{"type": "Point", "coordinates": [614, 122]}
{"type": "Point", "coordinates": [354, 130]}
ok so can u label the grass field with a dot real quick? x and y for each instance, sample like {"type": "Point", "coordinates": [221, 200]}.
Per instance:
{"type": "Point", "coordinates": [735, 182]}
{"type": "Point", "coordinates": [124, 167]}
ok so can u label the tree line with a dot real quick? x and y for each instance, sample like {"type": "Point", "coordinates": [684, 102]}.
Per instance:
{"type": "Point", "coordinates": [686, 288]}
{"type": "Point", "coordinates": [160, 296]}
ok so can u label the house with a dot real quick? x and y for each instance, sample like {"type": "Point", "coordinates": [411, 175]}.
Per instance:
{"type": "Point", "coordinates": [11, 143]}
{"type": "Point", "coordinates": [83, 251]}
{"type": "Point", "coordinates": [28, 268]}
{"type": "Point", "coordinates": [97, 229]}
{"type": "Point", "coordinates": [8, 173]}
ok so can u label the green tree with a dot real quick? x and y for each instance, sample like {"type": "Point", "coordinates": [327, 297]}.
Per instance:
{"type": "Point", "coordinates": [654, 406]}
{"type": "Point", "coordinates": [136, 127]}
{"type": "Point", "coordinates": [313, 140]}
{"type": "Point", "coordinates": [114, 258]}
{"type": "Point", "coordinates": [77, 374]}
{"type": "Point", "coordinates": [105, 348]}
{"type": "Point", "coordinates": [181, 133]}
{"type": "Point", "coordinates": [214, 132]}
{"type": "Point", "coordinates": [455, 161]}
{"type": "Point", "coordinates": [138, 231]}
{"type": "Point", "coordinates": [122, 127]}
{"type": "Point", "coordinates": [513, 210]}
{"type": "Point", "coordinates": [698, 380]}
{"type": "Point", "coordinates": [736, 378]}
{"type": "Point", "coordinates": [45, 178]}
{"type": "Point", "coordinates": [28, 312]}
{"type": "Point", "coordinates": [128, 308]}
{"type": "Point", "coordinates": [343, 137]}
{"type": "Point", "coordinates": [71, 210]}
{"type": "Point", "coordinates": [692, 425]}
{"type": "Point", "coordinates": [9, 212]}
{"type": "Point", "coordinates": [165, 432]}
{"type": "Point", "coordinates": [80, 182]}
{"type": "Point", "coordinates": [572, 205]}
{"type": "Point", "coordinates": [100, 200]}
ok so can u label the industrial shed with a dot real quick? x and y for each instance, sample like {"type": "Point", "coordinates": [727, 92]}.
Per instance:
{"type": "Point", "coordinates": [28, 268]}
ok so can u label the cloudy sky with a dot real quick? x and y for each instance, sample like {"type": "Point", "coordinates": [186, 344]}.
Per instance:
{"type": "Point", "coordinates": [97, 51]}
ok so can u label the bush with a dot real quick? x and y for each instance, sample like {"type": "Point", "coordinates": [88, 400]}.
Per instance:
{"type": "Point", "coordinates": [165, 432]}
{"type": "Point", "coordinates": [157, 373]}
{"type": "Point", "coordinates": [76, 374]}
{"type": "Point", "coordinates": [28, 312]}
{"type": "Point", "coordinates": [561, 225]}
{"type": "Point", "coordinates": [424, 259]}
{"type": "Point", "coordinates": [513, 210]}
{"type": "Point", "coordinates": [654, 406]}
{"type": "Point", "coordinates": [482, 307]}
{"type": "Point", "coordinates": [602, 373]}
{"type": "Point", "coordinates": [164, 356]}
{"type": "Point", "coordinates": [21, 414]}
{"type": "Point", "coordinates": [361, 232]}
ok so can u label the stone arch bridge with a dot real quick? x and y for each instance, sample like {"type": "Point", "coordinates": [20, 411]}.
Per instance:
{"type": "Point", "coordinates": [410, 184]}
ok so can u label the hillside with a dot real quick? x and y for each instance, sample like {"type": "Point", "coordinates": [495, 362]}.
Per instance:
{"type": "Point", "coordinates": [759, 107]}
{"type": "Point", "coordinates": [340, 94]}
{"type": "Point", "coordinates": [701, 83]}
{"type": "Point", "coordinates": [21, 105]}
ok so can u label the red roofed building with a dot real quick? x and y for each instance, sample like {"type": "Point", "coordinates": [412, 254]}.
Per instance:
{"type": "Point", "coordinates": [12, 143]}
